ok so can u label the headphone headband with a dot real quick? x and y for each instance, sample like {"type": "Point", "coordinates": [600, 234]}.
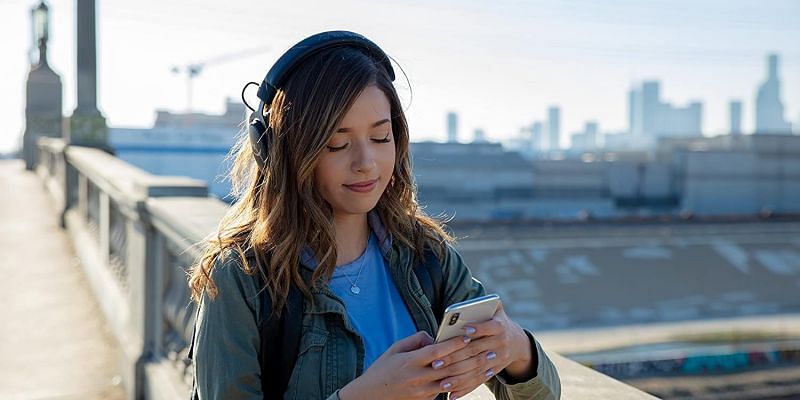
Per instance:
{"type": "Point", "coordinates": [309, 46]}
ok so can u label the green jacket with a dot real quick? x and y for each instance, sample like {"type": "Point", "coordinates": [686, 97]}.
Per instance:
{"type": "Point", "coordinates": [227, 341]}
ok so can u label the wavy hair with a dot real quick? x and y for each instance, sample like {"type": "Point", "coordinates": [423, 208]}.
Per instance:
{"type": "Point", "coordinates": [279, 210]}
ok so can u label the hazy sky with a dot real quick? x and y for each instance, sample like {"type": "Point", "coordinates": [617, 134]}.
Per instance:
{"type": "Point", "coordinates": [499, 64]}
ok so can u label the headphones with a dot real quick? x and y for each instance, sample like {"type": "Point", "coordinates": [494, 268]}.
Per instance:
{"type": "Point", "coordinates": [258, 127]}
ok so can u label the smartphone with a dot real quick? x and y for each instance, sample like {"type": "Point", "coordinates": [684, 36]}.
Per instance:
{"type": "Point", "coordinates": [456, 316]}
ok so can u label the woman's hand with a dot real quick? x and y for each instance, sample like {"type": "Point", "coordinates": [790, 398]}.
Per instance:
{"type": "Point", "coordinates": [404, 370]}
{"type": "Point", "coordinates": [497, 344]}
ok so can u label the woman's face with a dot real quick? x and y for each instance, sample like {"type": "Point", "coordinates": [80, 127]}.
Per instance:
{"type": "Point", "coordinates": [358, 162]}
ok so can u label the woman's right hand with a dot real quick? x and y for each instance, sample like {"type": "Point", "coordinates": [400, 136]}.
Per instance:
{"type": "Point", "coordinates": [404, 370]}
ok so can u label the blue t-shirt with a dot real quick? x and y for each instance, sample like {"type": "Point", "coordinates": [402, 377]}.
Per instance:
{"type": "Point", "coordinates": [377, 312]}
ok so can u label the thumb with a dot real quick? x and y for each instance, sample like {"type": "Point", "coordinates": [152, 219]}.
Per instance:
{"type": "Point", "coordinates": [411, 343]}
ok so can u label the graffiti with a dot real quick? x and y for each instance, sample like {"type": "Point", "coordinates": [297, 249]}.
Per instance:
{"type": "Point", "coordinates": [698, 364]}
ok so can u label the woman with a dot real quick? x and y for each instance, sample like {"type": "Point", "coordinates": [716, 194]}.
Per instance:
{"type": "Point", "coordinates": [327, 206]}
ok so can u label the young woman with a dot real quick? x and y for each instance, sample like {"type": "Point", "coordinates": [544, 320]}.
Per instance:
{"type": "Point", "coordinates": [329, 208]}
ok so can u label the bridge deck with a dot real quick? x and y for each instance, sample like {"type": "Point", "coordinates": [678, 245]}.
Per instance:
{"type": "Point", "coordinates": [54, 340]}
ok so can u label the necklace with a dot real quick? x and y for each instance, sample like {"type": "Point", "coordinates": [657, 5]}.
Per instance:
{"type": "Point", "coordinates": [354, 289]}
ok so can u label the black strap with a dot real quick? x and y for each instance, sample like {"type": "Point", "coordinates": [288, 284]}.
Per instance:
{"type": "Point", "coordinates": [280, 341]}
{"type": "Point", "coordinates": [193, 395]}
{"type": "Point", "coordinates": [429, 274]}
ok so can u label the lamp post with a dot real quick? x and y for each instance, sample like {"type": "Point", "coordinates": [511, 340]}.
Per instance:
{"type": "Point", "coordinates": [43, 89]}
{"type": "Point", "coordinates": [40, 22]}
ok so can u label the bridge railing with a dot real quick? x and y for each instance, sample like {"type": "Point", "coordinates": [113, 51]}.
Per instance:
{"type": "Point", "coordinates": [137, 233]}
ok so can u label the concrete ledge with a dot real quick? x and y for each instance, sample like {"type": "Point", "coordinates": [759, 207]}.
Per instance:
{"type": "Point", "coordinates": [186, 221]}
{"type": "Point", "coordinates": [579, 382]}
{"type": "Point", "coordinates": [111, 174]}
{"type": "Point", "coordinates": [161, 186]}
{"type": "Point", "coordinates": [126, 184]}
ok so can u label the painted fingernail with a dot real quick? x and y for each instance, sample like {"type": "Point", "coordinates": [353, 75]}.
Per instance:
{"type": "Point", "coordinates": [447, 385]}
{"type": "Point", "coordinates": [453, 397]}
{"type": "Point", "coordinates": [491, 355]}
{"type": "Point", "coordinates": [438, 364]}
{"type": "Point", "coordinates": [470, 330]}
{"type": "Point", "coordinates": [489, 373]}
{"type": "Point", "coordinates": [467, 339]}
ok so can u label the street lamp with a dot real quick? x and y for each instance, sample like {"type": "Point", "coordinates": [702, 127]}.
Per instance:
{"type": "Point", "coordinates": [40, 18]}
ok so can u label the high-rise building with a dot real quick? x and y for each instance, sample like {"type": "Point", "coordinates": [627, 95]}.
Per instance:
{"type": "Point", "coordinates": [735, 108]}
{"type": "Point", "coordinates": [479, 136]}
{"type": "Point", "coordinates": [769, 108]}
{"type": "Point", "coordinates": [635, 112]}
{"type": "Point", "coordinates": [586, 140]}
{"type": "Point", "coordinates": [553, 127]}
{"type": "Point", "coordinates": [452, 127]}
{"type": "Point", "coordinates": [651, 105]}
{"type": "Point", "coordinates": [537, 136]}
{"type": "Point", "coordinates": [650, 118]}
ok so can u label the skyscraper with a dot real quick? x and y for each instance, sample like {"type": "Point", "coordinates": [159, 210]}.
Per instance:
{"type": "Point", "coordinates": [634, 112]}
{"type": "Point", "coordinates": [735, 108]}
{"type": "Point", "coordinates": [651, 104]}
{"type": "Point", "coordinates": [586, 140]}
{"type": "Point", "coordinates": [537, 136]}
{"type": "Point", "coordinates": [769, 108]}
{"type": "Point", "coordinates": [650, 118]}
{"type": "Point", "coordinates": [553, 127]}
{"type": "Point", "coordinates": [452, 127]}
{"type": "Point", "coordinates": [479, 136]}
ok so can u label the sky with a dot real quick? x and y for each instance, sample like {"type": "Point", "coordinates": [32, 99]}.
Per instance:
{"type": "Point", "coordinates": [498, 64]}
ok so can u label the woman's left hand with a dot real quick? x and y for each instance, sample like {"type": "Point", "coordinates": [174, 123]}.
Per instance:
{"type": "Point", "coordinates": [497, 344]}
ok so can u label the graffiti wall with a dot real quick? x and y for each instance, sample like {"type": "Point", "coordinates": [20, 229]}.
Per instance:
{"type": "Point", "coordinates": [699, 364]}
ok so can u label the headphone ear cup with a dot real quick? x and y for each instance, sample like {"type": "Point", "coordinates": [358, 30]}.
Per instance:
{"type": "Point", "coordinates": [260, 136]}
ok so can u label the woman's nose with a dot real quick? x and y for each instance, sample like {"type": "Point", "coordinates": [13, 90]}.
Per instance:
{"type": "Point", "coordinates": [364, 158]}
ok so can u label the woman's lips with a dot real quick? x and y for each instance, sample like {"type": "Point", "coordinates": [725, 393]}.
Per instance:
{"type": "Point", "coordinates": [363, 187]}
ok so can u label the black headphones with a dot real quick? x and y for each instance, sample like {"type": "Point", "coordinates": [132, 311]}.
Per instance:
{"type": "Point", "coordinates": [258, 128]}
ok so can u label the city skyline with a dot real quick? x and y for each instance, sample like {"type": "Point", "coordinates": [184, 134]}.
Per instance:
{"type": "Point", "coordinates": [583, 58]}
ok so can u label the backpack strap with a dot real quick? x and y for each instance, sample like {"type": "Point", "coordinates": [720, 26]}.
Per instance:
{"type": "Point", "coordinates": [280, 342]}
{"type": "Point", "coordinates": [193, 395]}
{"type": "Point", "coordinates": [429, 274]}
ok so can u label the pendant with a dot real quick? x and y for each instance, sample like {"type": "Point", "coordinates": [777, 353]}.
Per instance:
{"type": "Point", "coordinates": [355, 289]}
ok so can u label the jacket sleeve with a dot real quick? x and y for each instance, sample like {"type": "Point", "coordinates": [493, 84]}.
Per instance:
{"type": "Point", "coordinates": [227, 337]}
{"type": "Point", "coordinates": [460, 285]}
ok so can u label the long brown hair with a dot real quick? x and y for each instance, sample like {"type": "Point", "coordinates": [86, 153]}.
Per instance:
{"type": "Point", "coordinates": [278, 210]}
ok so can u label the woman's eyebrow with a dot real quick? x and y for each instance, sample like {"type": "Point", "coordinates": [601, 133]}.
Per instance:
{"type": "Point", "coordinates": [375, 125]}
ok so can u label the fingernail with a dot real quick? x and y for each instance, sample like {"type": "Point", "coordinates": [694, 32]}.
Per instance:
{"type": "Point", "coordinates": [470, 330]}
{"type": "Point", "coordinates": [467, 339]}
{"type": "Point", "coordinates": [437, 364]}
{"type": "Point", "coordinates": [489, 373]}
{"type": "Point", "coordinates": [491, 355]}
{"type": "Point", "coordinates": [453, 397]}
{"type": "Point", "coordinates": [447, 385]}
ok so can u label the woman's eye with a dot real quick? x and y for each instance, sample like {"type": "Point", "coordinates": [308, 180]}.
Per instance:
{"type": "Point", "coordinates": [384, 140]}
{"type": "Point", "coordinates": [332, 148]}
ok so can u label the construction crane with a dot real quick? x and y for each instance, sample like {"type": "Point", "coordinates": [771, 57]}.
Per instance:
{"type": "Point", "coordinates": [194, 69]}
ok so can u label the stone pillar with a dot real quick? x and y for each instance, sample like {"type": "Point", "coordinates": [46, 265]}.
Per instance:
{"type": "Point", "coordinates": [87, 126]}
{"type": "Point", "coordinates": [43, 93]}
